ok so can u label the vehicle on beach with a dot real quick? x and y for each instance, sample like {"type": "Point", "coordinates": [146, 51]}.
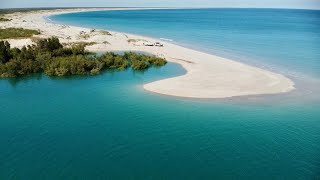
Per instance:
{"type": "Point", "coordinates": [148, 44]}
{"type": "Point", "coordinates": [158, 44]}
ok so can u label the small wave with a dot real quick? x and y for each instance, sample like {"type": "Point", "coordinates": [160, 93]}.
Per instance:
{"type": "Point", "coordinates": [47, 18]}
{"type": "Point", "coordinates": [166, 39]}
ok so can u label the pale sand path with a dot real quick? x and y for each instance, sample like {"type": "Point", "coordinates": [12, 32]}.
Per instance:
{"type": "Point", "coordinates": [208, 76]}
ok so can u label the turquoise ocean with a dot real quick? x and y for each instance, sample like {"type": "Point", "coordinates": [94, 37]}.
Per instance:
{"type": "Point", "coordinates": [108, 127]}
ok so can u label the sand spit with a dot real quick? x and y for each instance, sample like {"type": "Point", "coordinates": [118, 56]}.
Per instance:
{"type": "Point", "coordinates": [208, 76]}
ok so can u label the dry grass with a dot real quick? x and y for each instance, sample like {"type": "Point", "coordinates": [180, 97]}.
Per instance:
{"type": "Point", "coordinates": [105, 33]}
{"type": "Point", "coordinates": [135, 40]}
{"type": "Point", "coordinates": [84, 36]}
{"type": "Point", "coordinates": [80, 43]}
{"type": "Point", "coordinates": [36, 39]}
{"type": "Point", "coordinates": [14, 33]}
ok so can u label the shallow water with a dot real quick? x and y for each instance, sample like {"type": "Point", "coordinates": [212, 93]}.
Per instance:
{"type": "Point", "coordinates": [108, 127]}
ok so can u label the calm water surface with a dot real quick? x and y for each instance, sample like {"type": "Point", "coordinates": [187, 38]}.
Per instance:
{"type": "Point", "coordinates": [108, 127]}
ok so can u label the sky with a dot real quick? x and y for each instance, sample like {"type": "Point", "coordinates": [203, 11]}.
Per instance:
{"type": "Point", "coordinates": [297, 4]}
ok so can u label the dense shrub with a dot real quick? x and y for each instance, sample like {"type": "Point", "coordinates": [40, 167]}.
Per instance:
{"type": "Point", "coordinates": [50, 57]}
{"type": "Point", "coordinates": [5, 54]}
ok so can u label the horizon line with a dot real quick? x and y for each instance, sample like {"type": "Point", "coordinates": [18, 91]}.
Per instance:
{"type": "Point", "coordinates": [57, 7]}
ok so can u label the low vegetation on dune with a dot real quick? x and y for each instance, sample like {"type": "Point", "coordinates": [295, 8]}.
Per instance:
{"type": "Point", "coordinates": [50, 57]}
{"type": "Point", "coordinates": [135, 40]}
{"type": "Point", "coordinates": [11, 33]}
{"type": "Point", "coordinates": [24, 10]}
{"type": "Point", "coordinates": [4, 19]}
{"type": "Point", "coordinates": [79, 43]}
{"type": "Point", "coordinates": [105, 33]}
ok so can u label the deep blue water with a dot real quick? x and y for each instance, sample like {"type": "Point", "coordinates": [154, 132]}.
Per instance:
{"type": "Point", "coordinates": [108, 127]}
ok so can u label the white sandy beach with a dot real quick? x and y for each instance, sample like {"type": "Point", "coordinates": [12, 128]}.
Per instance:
{"type": "Point", "coordinates": [208, 76]}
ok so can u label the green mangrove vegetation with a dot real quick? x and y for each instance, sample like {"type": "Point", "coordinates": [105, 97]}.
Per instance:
{"type": "Point", "coordinates": [10, 33]}
{"type": "Point", "coordinates": [49, 56]}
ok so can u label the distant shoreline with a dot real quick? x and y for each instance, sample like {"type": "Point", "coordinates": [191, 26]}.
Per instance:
{"type": "Point", "coordinates": [71, 8]}
{"type": "Point", "coordinates": [208, 76]}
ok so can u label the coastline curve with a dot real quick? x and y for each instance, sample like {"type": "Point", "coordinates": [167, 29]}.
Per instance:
{"type": "Point", "coordinates": [208, 76]}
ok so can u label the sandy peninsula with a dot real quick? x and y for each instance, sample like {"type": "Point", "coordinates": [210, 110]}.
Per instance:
{"type": "Point", "coordinates": [208, 76]}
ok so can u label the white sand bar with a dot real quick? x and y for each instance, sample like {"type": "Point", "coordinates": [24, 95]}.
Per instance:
{"type": "Point", "coordinates": [208, 76]}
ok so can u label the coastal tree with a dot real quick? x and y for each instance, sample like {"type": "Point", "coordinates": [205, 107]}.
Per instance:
{"type": "Point", "coordinates": [49, 44]}
{"type": "Point", "coordinates": [50, 57]}
{"type": "Point", "coordinates": [5, 54]}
